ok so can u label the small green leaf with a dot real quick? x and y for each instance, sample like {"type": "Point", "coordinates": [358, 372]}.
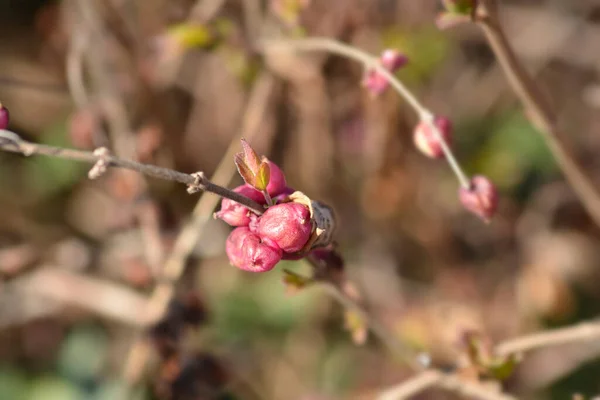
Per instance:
{"type": "Point", "coordinates": [244, 170]}
{"type": "Point", "coordinates": [263, 176]}
{"type": "Point", "coordinates": [295, 282]}
{"type": "Point", "coordinates": [357, 327]}
{"type": "Point", "coordinates": [446, 20]}
{"type": "Point", "coordinates": [190, 36]}
{"type": "Point", "coordinates": [503, 367]}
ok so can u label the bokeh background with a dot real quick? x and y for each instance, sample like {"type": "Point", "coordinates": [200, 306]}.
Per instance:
{"type": "Point", "coordinates": [176, 82]}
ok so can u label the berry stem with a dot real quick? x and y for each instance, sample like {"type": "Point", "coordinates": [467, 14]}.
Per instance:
{"type": "Point", "coordinates": [268, 198]}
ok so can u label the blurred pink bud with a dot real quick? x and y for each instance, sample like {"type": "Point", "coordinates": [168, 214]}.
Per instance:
{"type": "Point", "coordinates": [287, 224]}
{"type": "Point", "coordinates": [277, 183]}
{"type": "Point", "coordinates": [375, 82]}
{"type": "Point", "coordinates": [4, 117]}
{"type": "Point", "coordinates": [393, 60]}
{"type": "Point", "coordinates": [236, 214]}
{"type": "Point", "coordinates": [481, 198]}
{"type": "Point", "coordinates": [247, 251]}
{"type": "Point", "coordinates": [390, 59]}
{"type": "Point", "coordinates": [426, 140]}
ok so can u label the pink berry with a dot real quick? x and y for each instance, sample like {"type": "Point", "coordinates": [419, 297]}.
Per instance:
{"type": "Point", "coordinates": [277, 183]}
{"type": "Point", "coordinates": [236, 214]}
{"type": "Point", "coordinates": [481, 198]}
{"type": "Point", "coordinates": [4, 117]}
{"type": "Point", "coordinates": [287, 224]}
{"type": "Point", "coordinates": [247, 251]}
{"type": "Point", "coordinates": [426, 140]}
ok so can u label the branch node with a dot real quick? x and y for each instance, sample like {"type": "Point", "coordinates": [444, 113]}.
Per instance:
{"type": "Point", "coordinates": [198, 185]}
{"type": "Point", "coordinates": [101, 165]}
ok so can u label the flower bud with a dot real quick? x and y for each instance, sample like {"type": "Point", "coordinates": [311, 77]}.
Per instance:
{"type": "Point", "coordinates": [236, 214]}
{"type": "Point", "coordinates": [287, 224]}
{"type": "Point", "coordinates": [481, 198]}
{"type": "Point", "coordinates": [4, 117]}
{"type": "Point", "coordinates": [277, 183]}
{"type": "Point", "coordinates": [426, 140]}
{"type": "Point", "coordinates": [393, 60]}
{"type": "Point", "coordinates": [390, 59]}
{"type": "Point", "coordinates": [247, 251]}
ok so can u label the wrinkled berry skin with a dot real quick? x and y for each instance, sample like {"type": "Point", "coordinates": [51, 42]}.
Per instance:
{"type": "Point", "coordinates": [287, 224]}
{"type": "Point", "coordinates": [277, 183]}
{"type": "Point", "coordinates": [247, 251]}
{"type": "Point", "coordinates": [236, 214]}
{"type": "Point", "coordinates": [426, 140]}
{"type": "Point", "coordinates": [481, 198]}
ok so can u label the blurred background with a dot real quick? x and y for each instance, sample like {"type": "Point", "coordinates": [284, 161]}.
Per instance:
{"type": "Point", "coordinates": [176, 83]}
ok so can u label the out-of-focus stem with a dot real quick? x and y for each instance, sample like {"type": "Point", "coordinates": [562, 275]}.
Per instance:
{"type": "Point", "coordinates": [537, 107]}
{"type": "Point", "coordinates": [334, 47]}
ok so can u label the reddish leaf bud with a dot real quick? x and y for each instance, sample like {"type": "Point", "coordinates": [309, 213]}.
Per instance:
{"type": "Point", "coordinates": [426, 140]}
{"type": "Point", "coordinates": [464, 7]}
{"type": "Point", "coordinates": [4, 117]}
{"type": "Point", "coordinates": [393, 60]}
{"type": "Point", "coordinates": [277, 183]}
{"type": "Point", "coordinates": [233, 212]}
{"type": "Point", "coordinates": [390, 59]}
{"type": "Point", "coordinates": [481, 198]}
{"type": "Point", "coordinates": [247, 251]}
{"type": "Point", "coordinates": [287, 224]}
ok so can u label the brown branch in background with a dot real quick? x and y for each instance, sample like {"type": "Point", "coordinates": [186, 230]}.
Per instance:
{"type": "Point", "coordinates": [57, 287]}
{"type": "Point", "coordinates": [11, 142]}
{"type": "Point", "coordinates": [452, 383]}
{"type": "Point", "coordinates": [537, 107]}
{"type": "Point", "coordinates": [259, 101]}
{"type": "Point", "coordinates": [581, 332]}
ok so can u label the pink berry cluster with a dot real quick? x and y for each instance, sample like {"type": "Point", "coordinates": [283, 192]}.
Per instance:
{"type": "Point", "coordinates": [259, 242]}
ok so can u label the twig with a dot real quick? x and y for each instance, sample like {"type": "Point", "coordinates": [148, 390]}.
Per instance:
{"type": "Point", "coordinates": [334, 47]}
{"type": "Point", "coordinates": [581, 332]}
{"type": "Point", "coordinates": [57, 285]}
{"type": "Point", "coordinates": [10, 141]}
{"type": "Point", "coordinates": [539, 110]}
{"type": "Point", "coordinates": [385, 336]}
{"type": "Point", "coordinates": [188, 237]}
{"type": "Point", "coordinates": [449, 382]}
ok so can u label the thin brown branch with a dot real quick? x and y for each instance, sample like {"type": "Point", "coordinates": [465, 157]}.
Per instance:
{"type": "Point", "coordinates": [11, 142]}
{"type": "Point", "coordinates": [395, 345]}
{"type": "Point", "coordinates": [538, 108]}
{"type": "Point", "coordinates": [586, 331]}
